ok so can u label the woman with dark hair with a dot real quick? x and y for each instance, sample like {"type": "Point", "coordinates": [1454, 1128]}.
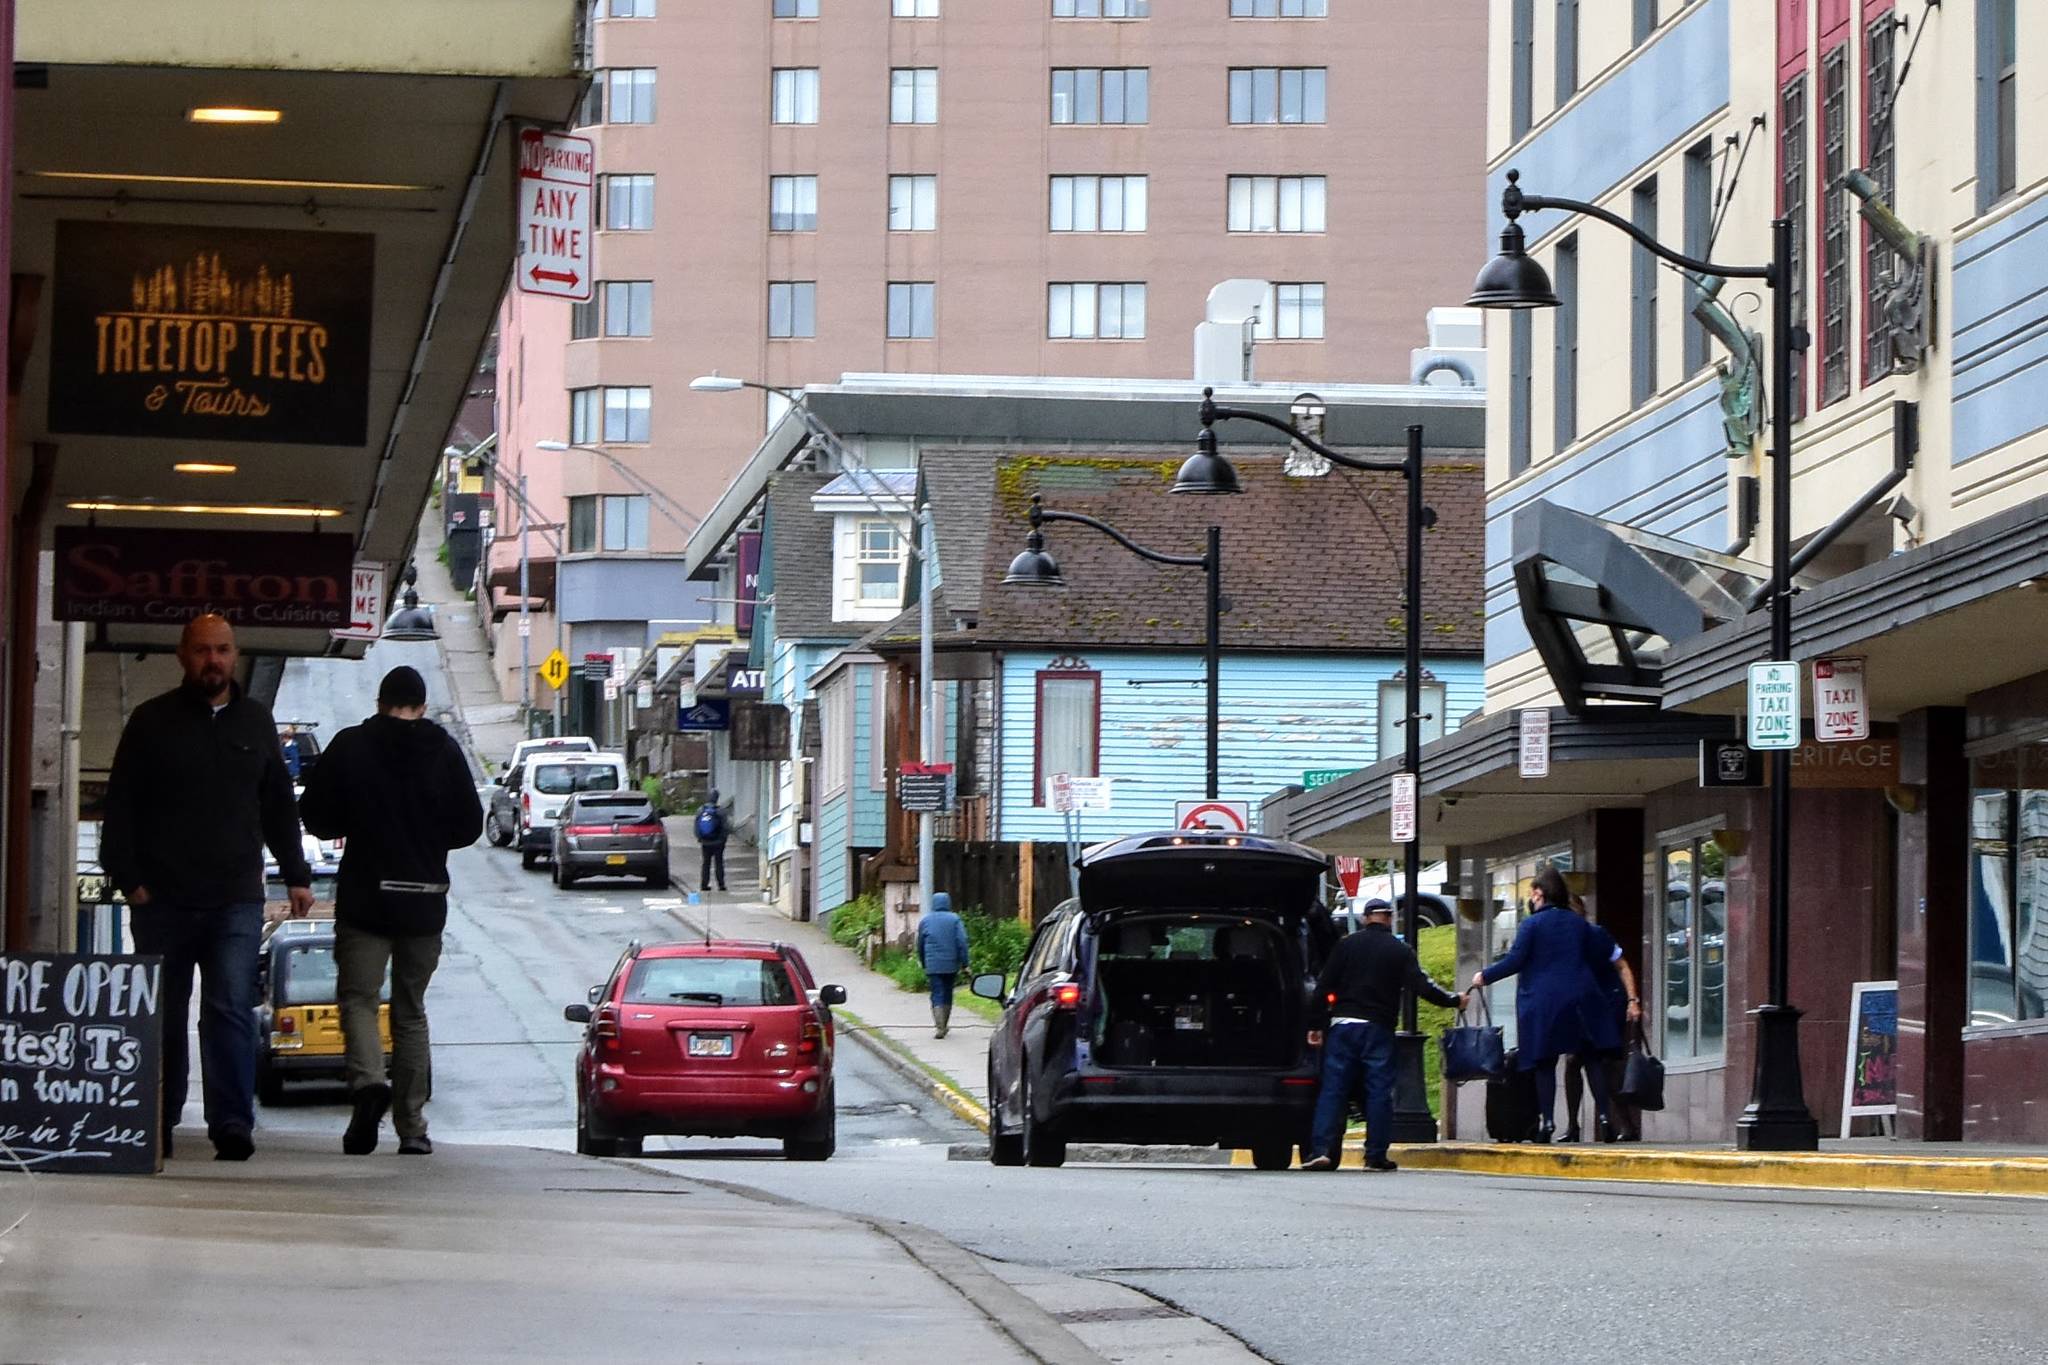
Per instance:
{"type": "Point", "coordinates": [1617, 983]}
{"type": "Point", "coordinates": [1558, 1005]}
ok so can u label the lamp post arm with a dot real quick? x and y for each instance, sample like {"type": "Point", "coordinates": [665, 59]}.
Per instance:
{"type": "Point", "coordinates": [1044, 514]}
{"type": "Point", "coordinates": [1514, 201]}
{"type": "Point", "coordinates": [662, 502]}
{"type": "Point", "coordinates": [1212, 413]}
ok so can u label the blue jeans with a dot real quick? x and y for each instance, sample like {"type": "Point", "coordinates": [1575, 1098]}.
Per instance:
{"type": "Point", "coordinates": [222, 944]}
{"type": "Point", "coordinates": [942, 988]}
{"type": "Point", "coordinates": [1349, 1049]}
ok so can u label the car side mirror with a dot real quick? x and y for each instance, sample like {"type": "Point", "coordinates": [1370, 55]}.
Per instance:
{"type": "Point", "coordinates": [576, 1014]}
{"type": "Point", "coordinates": [989, 986]}
{"type": "Point", "coordinates": [498, 781]}
{"type": "Point", "coordinates": [831, 995]}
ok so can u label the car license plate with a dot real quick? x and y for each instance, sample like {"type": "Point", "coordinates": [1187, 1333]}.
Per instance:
{"type": "Point", "coordinates": [1190, 1017]}
{"type": "Point", "coordinates": [711, 1045]}
{"type": "Point", "coordinates": [615, 859]}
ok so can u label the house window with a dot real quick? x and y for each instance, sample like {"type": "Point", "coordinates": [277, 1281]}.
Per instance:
{"type": "Point", "coordinates": [793, 95]}
{"type": "Point", "coordinates": [1643, 299]}
{"type": "Point", "coordinates": [879, 559]}
{"type": "Point", "coordinates": [582, 525]}
{"type": "Point", "coordinates": [914, 94]}
{"type": "Point", "coordinates": [1276, 203]}
{"type": "Point", "coordinates": [1792, 203]}
{"type": "Point", "coordinates": [1521, 384]}
{"type": "Point", "coordinates": [914, 9]}
{"type": "Point", "coordinates": [793, 308]}
{"type": "Point", "coordinates": [1394, 714]}
{"type": "Point", "coordinates": [792, 203]}
{"type": "Point", "coordinates": [796, 9]}
{"type": "Point", "coordinates": [1880, 161]}
{"type": "Point", "coordinates": [1699, 244]}
{"type": "Point", "coordinates": [627, 413]}
{"type": "Point", "coordinates": [1104, 311]}
{"type": "Point", "coordinates": [628, 202]}
{"type": "Point", "coordinates": [586, 415]}
{"type": "Point", "coordinates": [1101, 9]}
{"type": "Point", "coordinates": [628, 95]}
{"type": "Point", "coordinates": [1090, 94]}
{"type": "Point", "coordinates": [1098, 203]}
{"type": "Point", "coordinates": [1279, 9]}
{"type": "Point", "coordinates": [1997, 100]}
{"type": "Point", "coordinates": [628, 308]}
{"type": "Point", "coordinates": [622, 521]}
{"type": "Point", "coordinates": [1291, 312]}
{"type": "Point", "coordinates": [1278, 94]}
{"type": "Point", "coordinates": [1522, 68]}
{"type": "Point", "coordinates": [1567, 49]}
{"type": "Point", "coordinates": [585, 317]}
{"type": "Point", "coordinates": [1068, 731]}
{"type": "Point", "coordinates": [1645, 21]}
{"type": "Point", "coordinates": [1692, 946]}
{"type": "Point", "coordinates": [2008, 867]}
{"type": "Point", "coordinates": [1834, 225]}
{"type": "Point", "coordinates": [631, 9]}
{"type": "Point", "coordinates": [913, 203]}
{"type": "Point", "coordinates": [1564, 396]}
{"type": "Point", "coordinates": [910, 310]}
{"type": "Point", "coordinates": [835, 725]}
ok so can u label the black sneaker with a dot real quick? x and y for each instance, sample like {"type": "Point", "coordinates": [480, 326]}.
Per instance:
{"type": "Point", "coordinates": [1381, 1163]}
{"type": "Point", "coordinates": [416, 1146]}
{"type": "Point", "coordinates": [370, 1103]}
{"type": "Point", "coordinates": [233, 1145]}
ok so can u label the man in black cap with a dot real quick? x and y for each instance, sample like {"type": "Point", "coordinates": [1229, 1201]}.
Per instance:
{"type": "Point", "coordinates": [399, 790]}
{"type": "Point", "coordinates": [1358, 996]}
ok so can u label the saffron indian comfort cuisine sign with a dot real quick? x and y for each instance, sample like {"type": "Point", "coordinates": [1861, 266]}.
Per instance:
{"type": "Point", "coordinates": [157, 576]}
{"type": "Point", "coordinates": [219, 334]}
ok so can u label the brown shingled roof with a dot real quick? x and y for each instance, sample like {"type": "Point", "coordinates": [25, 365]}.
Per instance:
{"type": "Point", "coordinates": [1306, 563]}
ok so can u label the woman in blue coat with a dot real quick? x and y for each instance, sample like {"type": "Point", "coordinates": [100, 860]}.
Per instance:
{"type": "Point", "coordinates": [1559, 1008]}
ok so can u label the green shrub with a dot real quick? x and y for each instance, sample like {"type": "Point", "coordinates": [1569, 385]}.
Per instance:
{"type": "Point", "coordinates": [853, 923]}
{"type": "Point", "coordinates": [901, 967]}
{"type": "Point", "coordinates": [1437, 948]}
{"type": "Point", "coordinates": [995, 945]}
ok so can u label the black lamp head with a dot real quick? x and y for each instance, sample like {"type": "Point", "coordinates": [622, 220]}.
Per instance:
{"type": "Point", "coordinates": [1206, 471]}
{"type": "Point", "coordinates": [1514, 278]}
{"type": "Point", "coordinates": [1034, 568]}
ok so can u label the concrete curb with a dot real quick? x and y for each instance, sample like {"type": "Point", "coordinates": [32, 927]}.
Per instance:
{"type": "Point", "coordinates": [2015, 1177]}
{"type": "Point", "coordinates": [906, 1064]}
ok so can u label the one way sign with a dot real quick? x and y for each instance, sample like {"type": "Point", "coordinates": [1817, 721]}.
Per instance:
{"type": "Point", "coordinates": [557, 180]}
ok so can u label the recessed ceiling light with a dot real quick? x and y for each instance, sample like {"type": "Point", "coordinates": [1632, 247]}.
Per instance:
{"type": "Point", "coordinates": [203, 467]}
{"type": "Point", "coordinates": [252, 182]}
{"type": "Point", "coordinates": [207, 509]}
{"type": "Point", "coordinates": [228, 113]}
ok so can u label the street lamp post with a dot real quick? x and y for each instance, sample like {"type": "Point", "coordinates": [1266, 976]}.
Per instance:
{"type": "Point", "coordinates": [1208, 472]}
{"type": "Point", "coordinates": [1034, 568]}
{"type": "Point", "coordinates": [1776, 1119]}
{"type": "Point", "coordinates": [548, 533]}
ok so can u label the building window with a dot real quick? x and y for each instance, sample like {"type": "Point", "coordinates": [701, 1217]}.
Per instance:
{"type": "Point", "coordinates": [628, 413]}
{"type": "Point", "coordinates": [835, 724]}
{"type": "Point", "coordinates": [1067, 734]}
{"type": "Point", "coordinates": [910, 310]}
{"type": "Point", "coordinates": [880, 556]}
{"type": "Point", "coordinates": [1567, 50]}
{"type": "Point", "coordinates": [1278, 94]}
{"type": "Point", "coordinates": [584, 318]}
{"type": "Point", "coordinates": [1277, 203]}
{"type": "Point", "coordinates": [1098, 203]}
{"type": "Point", "coordinates": [1090, 94]}
{"type": "Point", "coordinates": [914, 9]}
{"type": "Point", "coordinates": [1997, 24]}
{"type": "Point", "coordinates": [1291, 312]}
{"type": "Point", "coordinates": [796, 9]}
{"type": "Point", "coordinates": [1279, 9]}
{"type": "Point", "coordinates": [628, 95]}
{"type": "Point", "coordinates": [1643, 299]}
{"type": "Point", "coordinates": [630, 9]}
{"type": "Point", "coordinates": [1692, 946]}
{"type": "Point", "coordinates": [586, 416]}
{"type": "Point", "coordinates": [628, 202]}
{"type": "Point", "coordinates": [1095, 311]}
{"type": "Point", "coordinates": [2008, 869]}
{"type": "Point", "coordinates": [1834, 225]}
{"type": "Point", "coordinates": [1792, 204]}
{"type": "Point", "coordinates": [1644, 21]}
{"type": "Point", "coordinates": [628, 308]}
{"type": "Point", "coordinates": [1522, 68]}
{"type": "Point", "coordinates": [913, 203]}
{"type": "Point", "coordinates": [914, 94]}
{"type": "Point", "coordinates": [1393, 701]}
{"type": "Point", "coordinates": [1101, 9]}
{"type": "Point", "coordinates": [1699, 244]}
{"type": "Point", "coordinates": [622, 521]}
{"type": "Point", "coordinates": [1880, 161]}
{"type": "Point", "coordinates": [793, 94]}
{"type": "Point", "coordinates": [792, 203]}
{"type": "Point", "coordinates": [1564, 398]}
{"type": "Point", "coordinates": [793, 308]}
{"type": "Point", "coordinates": [1521, 384]}
{"type": "Point", "coordinates": [582, 525]}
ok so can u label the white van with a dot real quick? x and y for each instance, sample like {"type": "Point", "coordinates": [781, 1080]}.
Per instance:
{"type": "Point", "coordinates": [546, 781]}
{"type": "Point", "coordinates": [568, 744]}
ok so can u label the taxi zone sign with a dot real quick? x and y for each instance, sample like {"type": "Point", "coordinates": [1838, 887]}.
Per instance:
{"type": "Point", "coordinates": [557, 181]}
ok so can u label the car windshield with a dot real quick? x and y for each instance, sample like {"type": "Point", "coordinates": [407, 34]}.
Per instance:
{"type": "Point", "coordinates": [630, 810]}
{"type": "Point", "coordinates": [560, 779]}
{"type": "Point", "coordinates": [307, 975]}
{"type": "Point", "coordinates": [709, 981]}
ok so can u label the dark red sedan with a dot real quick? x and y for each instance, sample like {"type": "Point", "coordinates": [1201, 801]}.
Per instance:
{"type": "Point", "coordinates": [717, 1038]}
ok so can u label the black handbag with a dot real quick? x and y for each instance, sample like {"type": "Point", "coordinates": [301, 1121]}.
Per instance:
{"type": "Point", "coordinates": [1642, 1076]}
{"type": "Point", "coordinates": [1474, 1052]}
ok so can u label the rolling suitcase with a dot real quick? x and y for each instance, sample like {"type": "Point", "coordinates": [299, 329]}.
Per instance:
{"type": "Point", "coordinates": [1511, 1104]}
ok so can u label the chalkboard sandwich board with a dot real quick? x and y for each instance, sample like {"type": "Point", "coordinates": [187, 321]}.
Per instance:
{"type": "Point", "coordinates": [1870, 1084]}
{"type": "Point", "coordinates": [81, 1063]}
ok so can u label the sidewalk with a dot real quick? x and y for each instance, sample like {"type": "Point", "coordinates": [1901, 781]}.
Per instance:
{"type": "Point", "coordinates": [487, 725]}
{"type": "Point", "coordinates": [480, 1254]}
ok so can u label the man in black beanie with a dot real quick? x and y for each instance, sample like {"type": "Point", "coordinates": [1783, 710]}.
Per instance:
{"type": "Point", "coordinates": [398, 789]}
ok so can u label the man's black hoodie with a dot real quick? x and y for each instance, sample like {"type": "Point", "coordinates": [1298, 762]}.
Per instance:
{"type": "Point", "coordinates": [1364, 975]}
{"type": "Point", "coordinates": [401, 794]}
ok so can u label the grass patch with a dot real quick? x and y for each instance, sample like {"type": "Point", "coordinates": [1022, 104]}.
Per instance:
{"type": "Point", "coordinates": [993, 945]}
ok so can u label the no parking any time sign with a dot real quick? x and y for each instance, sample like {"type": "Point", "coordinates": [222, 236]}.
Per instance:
{"type": "Point", "coordinates": [557, 180]}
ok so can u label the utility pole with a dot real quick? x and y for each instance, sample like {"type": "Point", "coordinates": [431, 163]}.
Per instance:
{"type": "Point", "coordinates": [928, 720]}
{"type": "Point", "coordinates": [526, 618]}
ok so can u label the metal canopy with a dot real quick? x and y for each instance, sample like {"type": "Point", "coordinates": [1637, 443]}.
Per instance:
{"type": "Point", "coordinates": [1604, 601]}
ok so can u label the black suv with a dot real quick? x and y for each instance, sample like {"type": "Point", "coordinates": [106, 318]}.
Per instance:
{"type": "Point", "coordinates": [1167, 1003]}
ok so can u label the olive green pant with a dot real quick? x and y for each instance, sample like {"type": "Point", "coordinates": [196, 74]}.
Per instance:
{"type": "Point", "coordinates": [360, 959]}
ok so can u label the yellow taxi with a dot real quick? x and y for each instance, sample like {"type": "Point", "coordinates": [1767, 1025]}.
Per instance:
{"type": "Point", "coordinates": [298, 1015]}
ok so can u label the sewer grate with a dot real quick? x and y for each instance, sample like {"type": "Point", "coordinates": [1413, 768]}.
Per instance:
{"type": "Point", "coordinates": [1136, 1314]}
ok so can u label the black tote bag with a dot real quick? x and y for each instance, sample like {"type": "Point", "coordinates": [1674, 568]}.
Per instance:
{"type": "Point", "coordinates": [1474, 1052]}
{"type": "Point", "coordinates": [1642, 1076]}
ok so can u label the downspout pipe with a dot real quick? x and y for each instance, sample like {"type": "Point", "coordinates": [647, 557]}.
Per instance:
{"type": "Point", "coordinates": [1745, 514]}
{"type": "Point", "coordinates": [1905, 446]}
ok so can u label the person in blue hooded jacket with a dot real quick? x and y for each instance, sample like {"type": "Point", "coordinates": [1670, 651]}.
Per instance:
{"type": "Point", "coordinates": [942, 952]}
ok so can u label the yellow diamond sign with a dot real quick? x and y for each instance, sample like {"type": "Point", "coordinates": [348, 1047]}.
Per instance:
{"type": "Point", "coordinates": [554, 670]}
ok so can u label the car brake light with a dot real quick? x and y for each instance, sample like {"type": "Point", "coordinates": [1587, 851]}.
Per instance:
{"type": "Point", "coordinates": [605, 1024]}
{"type": "Point", "coordinates": [581, 831]}
{"type": "Point", "coordinates": [814, 1033]}
{"type": "Point", "coordinates": [637, 829]}
{"type": "Point", "coordinates": [1067, 997]}
{"type": "Point", "coordinates": [286, 1023]}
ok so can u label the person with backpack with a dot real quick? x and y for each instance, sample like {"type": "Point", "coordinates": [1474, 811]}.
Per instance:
{"type": "Point", "coordinates": [710, 830]}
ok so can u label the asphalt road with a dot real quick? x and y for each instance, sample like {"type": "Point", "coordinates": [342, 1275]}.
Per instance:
{"type": "Point", "coordinates": [1305, 1268]}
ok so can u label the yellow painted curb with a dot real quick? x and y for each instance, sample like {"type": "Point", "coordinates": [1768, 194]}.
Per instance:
{"type": "Point", "coordinates": [2023, 1177]}
{"type": "Point", "coordinates": [936, 1084]}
